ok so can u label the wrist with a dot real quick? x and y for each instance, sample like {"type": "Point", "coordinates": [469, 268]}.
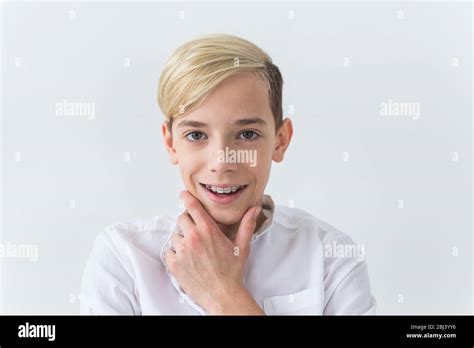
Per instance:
{"type": "Point", "coordinates": [235, 300]}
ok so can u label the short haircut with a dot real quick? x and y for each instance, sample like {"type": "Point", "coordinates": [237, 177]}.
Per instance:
{"type": "Point", "coordinates": [198, 66]}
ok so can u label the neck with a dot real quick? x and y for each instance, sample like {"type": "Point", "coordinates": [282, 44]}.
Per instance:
{"type": "Point", "coordinates": [231, 230]}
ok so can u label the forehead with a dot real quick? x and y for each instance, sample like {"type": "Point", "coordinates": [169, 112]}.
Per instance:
{"type": "Point", "coordinates": [241, 95]}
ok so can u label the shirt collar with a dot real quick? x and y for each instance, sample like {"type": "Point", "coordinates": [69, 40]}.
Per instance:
{"type": "Point", "coordinates": [273, 214]}
{"type": "Point", "coordinates": [277, 214]}
{"type": "Point", "coordinates": [268, 210]}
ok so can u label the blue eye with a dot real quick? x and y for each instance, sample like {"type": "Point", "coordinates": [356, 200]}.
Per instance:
{"type": "Point", "coordinates": [248, 135]}
{"type": "Point", "coordinates": [194, 136]}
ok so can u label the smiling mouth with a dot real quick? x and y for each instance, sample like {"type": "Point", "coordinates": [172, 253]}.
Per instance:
{"type": "Point", "coordinates": [223, 191]}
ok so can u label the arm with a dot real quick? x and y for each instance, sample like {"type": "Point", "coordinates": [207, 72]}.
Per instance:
{"type": "Point", "coordinates": [346, 283]}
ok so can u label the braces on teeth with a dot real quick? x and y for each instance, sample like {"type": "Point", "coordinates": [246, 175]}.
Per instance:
{"type": "Point", "coordinates": [224, 190]}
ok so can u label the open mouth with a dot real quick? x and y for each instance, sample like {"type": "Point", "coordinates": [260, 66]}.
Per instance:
{"type": "Point", "coordinates": [223, 193]}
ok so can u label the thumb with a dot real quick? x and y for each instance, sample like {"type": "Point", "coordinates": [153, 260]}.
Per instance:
{"type": "Point", "coordinates": [247, 228]}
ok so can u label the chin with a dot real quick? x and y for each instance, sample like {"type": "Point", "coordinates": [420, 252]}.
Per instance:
{"type": "Point", "coordinates": [226, 218]}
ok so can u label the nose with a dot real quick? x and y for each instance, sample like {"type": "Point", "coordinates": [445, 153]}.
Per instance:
{"type": "Point", "coordinates": [220, 159]}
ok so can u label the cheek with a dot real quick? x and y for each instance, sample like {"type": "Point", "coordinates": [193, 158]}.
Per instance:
{"type": "Point", "coordinates": [188, 167]}
{"type": "Point", "coordinates": [261, 171]}
{"type": "Point", "coordinates": [264, 156]}
{"type": "Point", "coordinates": [261, 176]}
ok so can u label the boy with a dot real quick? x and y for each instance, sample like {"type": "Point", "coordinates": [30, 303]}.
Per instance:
{"type": "Point", "coordinates": [232, 251]}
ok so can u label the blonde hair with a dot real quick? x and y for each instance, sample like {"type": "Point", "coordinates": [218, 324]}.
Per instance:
{"type": "Point", "coordinates": [198, 66]}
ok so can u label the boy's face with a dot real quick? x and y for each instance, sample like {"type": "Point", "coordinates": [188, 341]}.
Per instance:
{"type": "Point", "coordinates": [228, 144]}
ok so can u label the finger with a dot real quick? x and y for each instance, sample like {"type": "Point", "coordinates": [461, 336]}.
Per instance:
{"type": "Point", "coordinates": [185, 223]}
{"type": "Point", "coordinates": [176, 241]}
{"type": "Point", "coordinates": [247, 228]}
{"type": "Point", "coordinates": [195, 209]}
{"type": "Point", "coordinates": [169, 255]}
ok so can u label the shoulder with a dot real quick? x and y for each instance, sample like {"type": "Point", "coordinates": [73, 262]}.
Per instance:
{"type": "Point", "coordinates": [346, 279]}
{"type": "Point", "coordinates": [138, 231]}
{"type": "Point", "coordinates": [304, 222]}
{"type": "Point", "coordinates": [110, 273]}
{"type": "Point", "coordinates": [116, 244]}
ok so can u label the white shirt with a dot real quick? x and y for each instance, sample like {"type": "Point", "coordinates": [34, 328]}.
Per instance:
{"type": "Point", "coordinates": [291, 269]}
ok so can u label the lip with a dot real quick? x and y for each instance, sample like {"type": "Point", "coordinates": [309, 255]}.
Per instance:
{"type": "Point", "coordinates": [227, 199]}
{"type": "Point", "coordinates": [223, 185]}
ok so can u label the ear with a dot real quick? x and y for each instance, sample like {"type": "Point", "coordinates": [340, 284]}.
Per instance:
{"type": "Point", "coordinates": [168, 140]}
{"type": "Point", "coordinates": [283, 138]}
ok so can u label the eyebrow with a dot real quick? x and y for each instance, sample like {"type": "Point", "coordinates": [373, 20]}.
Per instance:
{"type": "Point", "coordinates": [247, 121]}
{"type": "Point", "coordinates": [241, 122]}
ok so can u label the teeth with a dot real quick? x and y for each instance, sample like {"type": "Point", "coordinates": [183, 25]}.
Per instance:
{"type": "Point", "coordinates": [226, 190]}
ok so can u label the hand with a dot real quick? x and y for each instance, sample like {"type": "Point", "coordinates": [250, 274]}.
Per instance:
{"type": "Point", "coordinates": [209, 266]}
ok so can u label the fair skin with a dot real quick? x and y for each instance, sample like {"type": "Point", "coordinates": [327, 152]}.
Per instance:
{"type": "Point", "coordinates": [210, 258]}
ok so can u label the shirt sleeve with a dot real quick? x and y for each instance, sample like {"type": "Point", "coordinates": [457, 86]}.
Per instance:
{"type": "Point", "coordinates": [346, 283]}
{"type": "Point", "coordinates": [107, 287]}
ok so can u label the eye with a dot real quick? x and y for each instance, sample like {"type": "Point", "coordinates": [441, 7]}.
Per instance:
{"type": "Point", "coordinates": [194, 136]}
{"type": "Point", "coordinates": [248, 135]}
